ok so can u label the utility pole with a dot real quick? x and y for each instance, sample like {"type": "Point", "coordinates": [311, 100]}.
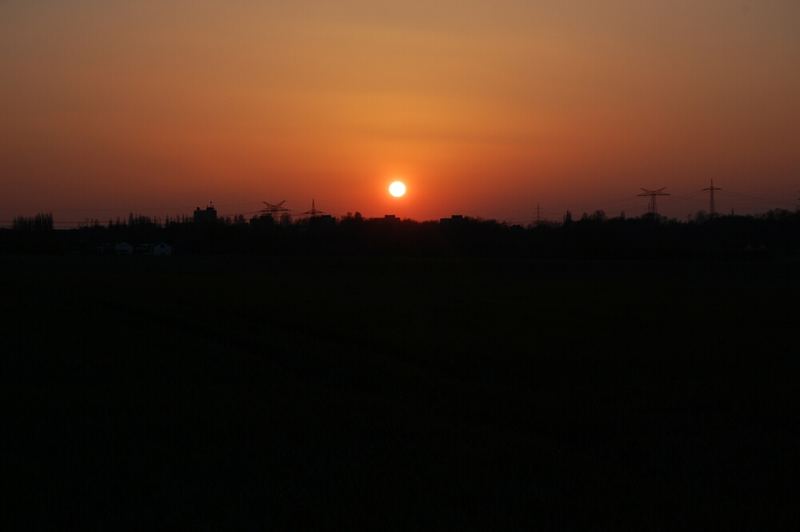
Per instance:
{"type": "Point", "coordinates": [652, 208]}
{"type": "Point", "coordinates": [712, 208]}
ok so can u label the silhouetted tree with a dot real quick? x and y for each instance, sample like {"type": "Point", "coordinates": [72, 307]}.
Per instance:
{"type": "Point", "coordinates": [39, 222]}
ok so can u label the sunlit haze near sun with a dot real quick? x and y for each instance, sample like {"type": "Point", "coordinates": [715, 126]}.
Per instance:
{"type": "Point", "coordinates": [487, 108]}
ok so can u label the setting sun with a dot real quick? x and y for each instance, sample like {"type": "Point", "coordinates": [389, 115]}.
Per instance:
{"type": "Point", "coordinates": [397, 189]}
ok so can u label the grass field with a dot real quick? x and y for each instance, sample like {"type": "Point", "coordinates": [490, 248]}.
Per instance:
{"type": "Point", "coordinates": [233, 393]}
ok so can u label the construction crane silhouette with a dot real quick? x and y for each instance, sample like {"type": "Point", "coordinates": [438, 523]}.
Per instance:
{"type": "Point", "coordinates": [652, 208]}
{"type": "Point", "coordinates": [275, 209]}
{"type": "Point", "coordinates": [314, 211]}
{"type": "Point", "coordinates": [712, 208]}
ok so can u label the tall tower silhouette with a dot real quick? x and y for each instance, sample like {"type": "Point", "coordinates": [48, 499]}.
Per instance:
{"type": "Point", "coordinates": [712, 208]}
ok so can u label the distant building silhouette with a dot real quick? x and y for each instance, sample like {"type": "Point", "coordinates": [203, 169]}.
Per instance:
{"type": "Point", "coordinates": [454, 219]}
{"type": "Point", "coordinates": [207, 215]}
{"type": "Point", "coordinates": [322, 220]}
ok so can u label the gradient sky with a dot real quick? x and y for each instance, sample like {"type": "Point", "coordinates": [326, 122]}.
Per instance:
{"type": "Point", "coordinates": [485, 108]}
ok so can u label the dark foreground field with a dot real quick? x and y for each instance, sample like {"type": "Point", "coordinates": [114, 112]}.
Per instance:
{"type": "Point", "coordinates": [227, 394]}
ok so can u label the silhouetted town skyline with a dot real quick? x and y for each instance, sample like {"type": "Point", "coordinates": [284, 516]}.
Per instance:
{"type": "Point", "coordinates": [597, 235]}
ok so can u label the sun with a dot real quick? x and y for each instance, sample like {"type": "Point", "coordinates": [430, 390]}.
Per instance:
{"type": "Point", "coordinates": [397, 189]}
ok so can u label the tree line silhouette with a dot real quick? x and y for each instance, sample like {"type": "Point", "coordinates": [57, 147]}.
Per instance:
{"type": "Point", "coordinates": [773, 234]}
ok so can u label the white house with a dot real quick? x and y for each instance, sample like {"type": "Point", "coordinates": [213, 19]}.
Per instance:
{"type": "Point", "coordinates": [162, 249]}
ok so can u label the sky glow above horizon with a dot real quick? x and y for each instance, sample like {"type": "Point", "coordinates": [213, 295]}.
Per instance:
{"type": "Point", "coordinates": [483, 108]}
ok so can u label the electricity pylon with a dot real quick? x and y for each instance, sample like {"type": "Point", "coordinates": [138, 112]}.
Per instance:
{"type": "Point", "coordinates": [712, 208]}
{"type": "Point", "coordinates": [314, 212]}
{"type": "Point", "coordinates": [274, 209]}
{"type": "Point", "coordinates": [652, 208]}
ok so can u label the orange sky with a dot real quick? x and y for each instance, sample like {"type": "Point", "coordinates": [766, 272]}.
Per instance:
{"type": "Point", "coordinates": [485, 108]}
